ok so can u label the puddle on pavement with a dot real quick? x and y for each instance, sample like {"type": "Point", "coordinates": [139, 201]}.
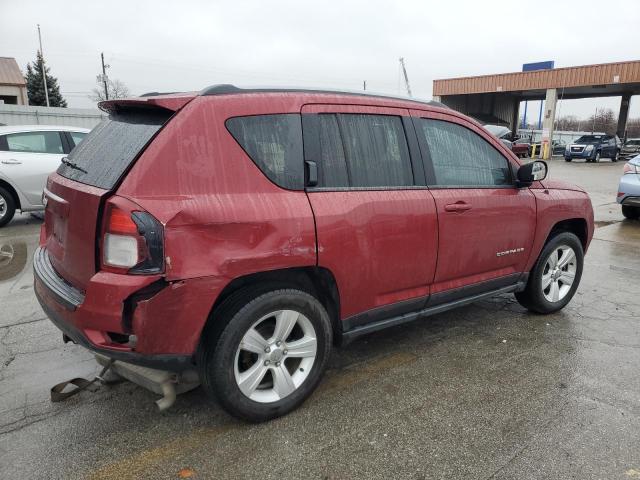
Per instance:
{"type": "Point", "coordinates": [13, 258]}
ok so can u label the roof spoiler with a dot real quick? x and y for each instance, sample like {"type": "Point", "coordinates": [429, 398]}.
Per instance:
{"type": "Point", "coordinates": [172, 102]}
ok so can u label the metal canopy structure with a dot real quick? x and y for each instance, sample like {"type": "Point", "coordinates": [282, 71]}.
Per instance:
{"type": "Point", "coordinates": [497, 97]}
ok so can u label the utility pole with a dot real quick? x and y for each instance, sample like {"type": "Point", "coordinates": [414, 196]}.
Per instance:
{"type": "Point", "coordinates": [104, 77]}
{"type": "Point", "coordinates": [44, 74]}
{"type": "Point", "coordinates": [364, 85]}
{"type": "Point", "coordinates": [406, 77]}
{"type": "Point", "coordinates": [593, 125]}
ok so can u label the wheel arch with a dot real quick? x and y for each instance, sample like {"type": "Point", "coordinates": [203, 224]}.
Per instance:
{"type": "Point", "coordinates": [317, 281]}
{"type": "Point", "coordinates": [577, 226]}
{"type": "Point", "coordinates": [14, 193]}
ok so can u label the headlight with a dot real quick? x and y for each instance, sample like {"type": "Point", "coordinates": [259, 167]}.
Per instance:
{"type": "Point", "coordinates": [630, 168]}
{"type": "Point", "coordinates": [589, 148]}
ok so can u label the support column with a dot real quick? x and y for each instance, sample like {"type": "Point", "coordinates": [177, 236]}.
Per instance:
{"type": "Point", "coordinates": [515, 118]}
{"type": "Point", "coordinates": [548, 122]}
{"type": "Point", "coordinates": [623, 115]}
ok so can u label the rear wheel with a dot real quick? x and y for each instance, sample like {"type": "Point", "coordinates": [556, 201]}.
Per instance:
{"type": "Point", "coordinates": [555, 276]}
{"type": "Point", "coordinates": [597, 159]}
{"type": "Point", "coordinates": [270, 355]}
{"type": "Point", "coordinates": [614, 158]}
{"type": "Point", "coordinates": [7, 207]}
{"type": "Point", "coordinates": [632, 213]}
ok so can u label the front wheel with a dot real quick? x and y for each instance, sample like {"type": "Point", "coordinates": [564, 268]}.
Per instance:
{"type": "Point", "coordinates": [597, 159]}
{"type": "Point", "coordinates": [270, 355]}
{"type": "Point", "coordinates": [555, 276]}
{"type": "Point", "coordinates": [632, 213]}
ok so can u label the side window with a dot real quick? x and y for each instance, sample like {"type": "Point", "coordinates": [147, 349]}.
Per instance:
{"type": "Point", "coordinates": [333, 166]}
{"type": "Point", "coordinates": [34, 142]}
{"type": "Point", "coordinates": [376, 150]}
{"type": "Point", "coordinates": [77, 137]}
{"type": "Point", "coordinates": [460, 157]}
{"type": "Point", "coordinates": [274, 143]}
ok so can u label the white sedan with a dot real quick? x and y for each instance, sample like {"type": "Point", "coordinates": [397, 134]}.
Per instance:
{"type": "Point", "coordinates": [28, 154]}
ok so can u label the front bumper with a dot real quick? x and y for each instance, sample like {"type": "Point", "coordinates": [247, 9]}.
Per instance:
{"type": "Point", "coordinates": [166, 318]}
{"type": "Point", "coordinates": [584, 155]}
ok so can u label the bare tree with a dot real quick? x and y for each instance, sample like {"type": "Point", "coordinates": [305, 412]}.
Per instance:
{"type": "Point", "coordinates": [116, 88]}
{"type": "Point", "coordinates": [604, 120]}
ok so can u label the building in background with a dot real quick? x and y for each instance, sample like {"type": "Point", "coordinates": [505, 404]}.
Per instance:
{"type": "Point", "coordinates": [13, 86]}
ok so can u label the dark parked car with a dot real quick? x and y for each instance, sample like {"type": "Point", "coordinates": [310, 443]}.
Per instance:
{"type": "Point", "coordinates": [630, 149]}
{"type": "Point", "coordinates": [593, 148]}
{"type": "Point", "coordinates": [558, 147]}
{"type": "Point", "coordinates": [241, 234]}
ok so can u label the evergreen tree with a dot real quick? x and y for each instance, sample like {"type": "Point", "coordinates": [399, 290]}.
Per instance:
{"type": "Point", "coordinates": [35, 86]}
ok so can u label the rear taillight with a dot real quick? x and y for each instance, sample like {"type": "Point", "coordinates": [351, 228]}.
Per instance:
{"type": "Point", "coordinates": [631, 168]}
{"type": "Point", "coordinates": [132, 240]}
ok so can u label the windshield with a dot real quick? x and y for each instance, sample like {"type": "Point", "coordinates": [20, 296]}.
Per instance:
{"type": "Point", "coordinates": [112, 146]}
{"type": "Point", "coordinates": [497, 130]}
{"type": "Point", "coordinates": [634, 142]}
{"type": "Point", "coordinates": [590, 139]}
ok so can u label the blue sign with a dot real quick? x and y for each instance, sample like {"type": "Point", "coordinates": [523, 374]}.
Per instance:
{"type": "Point", "coordinates": [530, 67]}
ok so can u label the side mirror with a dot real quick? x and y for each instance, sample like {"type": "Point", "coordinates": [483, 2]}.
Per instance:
{"type": "Point", "coordinates": [531, 172]}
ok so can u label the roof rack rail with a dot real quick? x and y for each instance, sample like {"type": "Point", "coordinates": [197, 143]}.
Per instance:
{"type": "Point", "coordinates": [227, 88]}
{"type": "Point", "coordinates": [157, 94]}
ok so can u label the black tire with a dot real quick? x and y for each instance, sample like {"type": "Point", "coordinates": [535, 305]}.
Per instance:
{"type": "Point", "coordinates": [567, 159]}
{"type": "Point", "coordinates": [632, 213]}
{"type": "Point", "coordinates": [234, 317]}
{"type": "Point", "coordinates": [615, 156]}
{"type": "Point", "coordinates": [598, 156]}
{"type": "Point", "coordinates": [533, 297]}
{"type": "Point", "coordinates": [9, 207]}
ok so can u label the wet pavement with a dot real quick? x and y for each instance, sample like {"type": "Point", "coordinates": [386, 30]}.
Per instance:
{"type": "Point", "coordinates": [487, 391]}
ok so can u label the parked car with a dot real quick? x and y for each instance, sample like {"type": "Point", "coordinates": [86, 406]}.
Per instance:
{"type": "Point", "coordinates": [630, 149]}
{"type": "Point", "coordinates": [558, 147]}
{"type": "Point", "coordinates": [28, 154]}
{"type": "Point", "coordinates": [629, 189]}
{"type": "Point", "coordinates": [593, 148]}
{"type": "Point", "coordinates": [520, 148]}
{"type": "Point", "coordinates": [242, 234]}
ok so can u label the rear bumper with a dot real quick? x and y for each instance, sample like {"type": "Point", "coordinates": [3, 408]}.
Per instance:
{"type": "Point", "coordinates": [630, 187]}
{"type": "Point", "coordinates": [166, 318]}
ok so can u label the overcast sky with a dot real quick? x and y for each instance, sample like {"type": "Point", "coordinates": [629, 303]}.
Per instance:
{"type": "Point", "coordinates": [187, 45]}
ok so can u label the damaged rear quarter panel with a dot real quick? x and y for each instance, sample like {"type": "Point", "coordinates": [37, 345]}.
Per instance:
{"type": "Point", "coordinates": [223, 217]}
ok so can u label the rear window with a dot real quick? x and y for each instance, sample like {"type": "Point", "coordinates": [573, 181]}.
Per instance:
{"type": "Point", "coordinates": [274, 143]}
{"type": "Point", "coordinates": [110, 148]}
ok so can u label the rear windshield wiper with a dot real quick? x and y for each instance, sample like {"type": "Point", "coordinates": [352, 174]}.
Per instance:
{"type": "Point", "coordinates": [70, 164]}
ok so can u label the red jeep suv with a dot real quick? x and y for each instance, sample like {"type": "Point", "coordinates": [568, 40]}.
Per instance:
{"type": "Point", "coordinates": [243, 233]}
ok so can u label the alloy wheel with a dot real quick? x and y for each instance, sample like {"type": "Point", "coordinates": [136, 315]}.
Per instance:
{"type": "Point", "coordinates": [275, 356]}
{"type": "Point", "coordinates": [559, 273]}
{"type": "Point", "coordinates": [3, 207]}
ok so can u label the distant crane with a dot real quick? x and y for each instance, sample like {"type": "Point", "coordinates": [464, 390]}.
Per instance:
{"type": "Point", "coordinates": [406, 77]}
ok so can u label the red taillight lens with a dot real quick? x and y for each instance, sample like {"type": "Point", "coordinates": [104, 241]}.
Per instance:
{"type": "Point", "coordinates": [120, 221]}
{"type": "Point", "coordinates": [630, 168]}
{"type": "Point", "coordinates": [133, 240]}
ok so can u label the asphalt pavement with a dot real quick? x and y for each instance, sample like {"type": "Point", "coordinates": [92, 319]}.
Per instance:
{"type": "Point", "coordinates": [488, 391]}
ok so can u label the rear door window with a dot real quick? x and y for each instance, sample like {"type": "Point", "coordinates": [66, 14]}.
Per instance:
{"type": "Point", "coordinates": [462, 158]}
{"type": "Point", "coordinates": [33, 142]}
{"type": "Point", "coordinates": [274, 143]}
{"type": "Point", "coordinates": [106, 153]}
{"type": "Point", "coordinates": [77, 137]}
{"type": "Point", "coordinates": [376, 150]}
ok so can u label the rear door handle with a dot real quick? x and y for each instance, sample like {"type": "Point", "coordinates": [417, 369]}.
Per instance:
{"type": "Point", "coordinates": [457, 207]}
{"type": "Point", "coordinates": [11, 161]}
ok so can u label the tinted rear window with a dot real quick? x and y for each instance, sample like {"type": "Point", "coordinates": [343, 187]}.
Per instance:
{"type": "Point", "coordinates": [111, 147]}
{"type": "Point", "coordinates": [274, 143]}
